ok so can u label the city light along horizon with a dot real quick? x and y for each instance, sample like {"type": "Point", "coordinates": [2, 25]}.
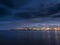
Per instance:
{"type": "Point", "coordinates": [40, 27]}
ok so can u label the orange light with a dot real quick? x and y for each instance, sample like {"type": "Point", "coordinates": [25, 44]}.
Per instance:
{"type": "Point", "coordinates": [43, 28]}
{"type": "Point", "coordinates": [58, 28]}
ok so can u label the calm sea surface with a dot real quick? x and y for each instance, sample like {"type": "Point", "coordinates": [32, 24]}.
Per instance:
{"type": "Point", "coordinates": [8, 37]}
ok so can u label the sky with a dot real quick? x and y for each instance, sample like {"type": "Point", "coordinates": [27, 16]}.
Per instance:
{"type": "Point", "coordinates": [16, 12]}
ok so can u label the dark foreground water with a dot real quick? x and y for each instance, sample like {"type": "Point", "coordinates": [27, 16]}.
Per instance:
{"type": "Point", "coordinates": [8, 37]}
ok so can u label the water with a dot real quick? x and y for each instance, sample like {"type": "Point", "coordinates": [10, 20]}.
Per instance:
{"type": "Point", "coordinates": [8, 37]}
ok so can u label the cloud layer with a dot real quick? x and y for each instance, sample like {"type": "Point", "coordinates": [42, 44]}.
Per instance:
{"type": "Point", "coordinates": [27, 9]}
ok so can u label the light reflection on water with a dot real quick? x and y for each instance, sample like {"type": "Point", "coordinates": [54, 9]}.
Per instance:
{"type": "Point", "coordinates": [31, 37]}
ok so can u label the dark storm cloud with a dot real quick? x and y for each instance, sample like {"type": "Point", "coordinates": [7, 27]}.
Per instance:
{"type": "Point", "coordinates": [4, 12]}
{"type": "Point", "coordinates": [13, 3]}
{"type": "Point", "coordinates": [48, 12]}
{"type": "Point", "coordinates": [29, 9]}
{"type": "Point", "coordinates": [54, 9]}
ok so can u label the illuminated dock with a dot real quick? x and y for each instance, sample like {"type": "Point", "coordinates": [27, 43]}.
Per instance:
{"type": "Point", "coordinates": [43, 28]}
